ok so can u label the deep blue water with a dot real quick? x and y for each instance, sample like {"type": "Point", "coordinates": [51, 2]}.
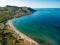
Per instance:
{"type": "Point", "coordinates": [43, 25]}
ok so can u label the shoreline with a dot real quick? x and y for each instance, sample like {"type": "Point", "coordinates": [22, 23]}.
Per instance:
{"type": "Point", "coordinates": [23, 36]}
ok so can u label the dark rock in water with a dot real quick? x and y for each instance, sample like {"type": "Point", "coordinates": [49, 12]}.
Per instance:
{"type": "Point", "coordinates": [31, 9]}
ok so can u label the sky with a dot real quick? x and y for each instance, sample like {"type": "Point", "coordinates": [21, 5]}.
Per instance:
{"type": "Point", "coordinates": [32, 3]}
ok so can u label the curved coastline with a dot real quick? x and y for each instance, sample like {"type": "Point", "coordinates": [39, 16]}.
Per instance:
{"type": "Point", "coordinates": [23, 36]}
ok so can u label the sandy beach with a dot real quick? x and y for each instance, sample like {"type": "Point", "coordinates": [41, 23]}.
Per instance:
{"type": "Point", "coordinates": [23, 36]}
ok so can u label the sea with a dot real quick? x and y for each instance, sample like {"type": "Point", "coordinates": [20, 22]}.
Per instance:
{"type": "Point", "coordinates": [43, 25]}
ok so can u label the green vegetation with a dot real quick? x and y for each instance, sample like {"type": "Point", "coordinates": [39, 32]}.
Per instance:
{"type": "Point", "coordinates": [7, 37]}
{"type": "Point", "coordinates": [5, 14]}
{"type": "Point", "coordinates": [10, 12]}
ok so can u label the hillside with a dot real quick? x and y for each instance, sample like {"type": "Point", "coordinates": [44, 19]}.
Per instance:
{"type": "Point", "coordinates": [9, 12]}
{"type": "Point", "coordinates": [7, 36]}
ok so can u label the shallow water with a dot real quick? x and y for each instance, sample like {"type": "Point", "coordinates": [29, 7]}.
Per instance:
{"type": "Point", "coordinates": [43, 25]}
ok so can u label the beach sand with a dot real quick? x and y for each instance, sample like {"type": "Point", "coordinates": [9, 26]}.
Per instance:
{"type": "Point", "coordinates": [22, 36]}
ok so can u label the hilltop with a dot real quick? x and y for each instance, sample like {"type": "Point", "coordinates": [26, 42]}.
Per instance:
{"type": "Point", "coordinates": [9, 12]}
{"type": "Point", "coordinates": [7, 35]}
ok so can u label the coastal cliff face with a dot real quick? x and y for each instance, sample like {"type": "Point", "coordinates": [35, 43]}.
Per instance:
{"type": "Point", "coordinates": [7, 36]}
{"type": "Point", "coordinates": [10, 12]}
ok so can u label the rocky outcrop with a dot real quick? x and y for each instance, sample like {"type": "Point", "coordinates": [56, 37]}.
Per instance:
{"type": "Point", "coordinates": [9, 35]}
{"type": "Point", "coordinates": [10, 12]}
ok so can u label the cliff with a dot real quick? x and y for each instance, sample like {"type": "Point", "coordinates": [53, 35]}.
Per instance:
{"type": "Point", "coordinates": [7, 35]}
{"type": "Point", "coordinates": [10, 12]}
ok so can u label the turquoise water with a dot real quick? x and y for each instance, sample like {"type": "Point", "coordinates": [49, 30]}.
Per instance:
{"type": "Point", "coordinates": [43, 25]}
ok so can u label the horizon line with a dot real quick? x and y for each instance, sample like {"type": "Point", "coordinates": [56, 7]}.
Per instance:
{"type": "Point", "coordinates": [28, 6]}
